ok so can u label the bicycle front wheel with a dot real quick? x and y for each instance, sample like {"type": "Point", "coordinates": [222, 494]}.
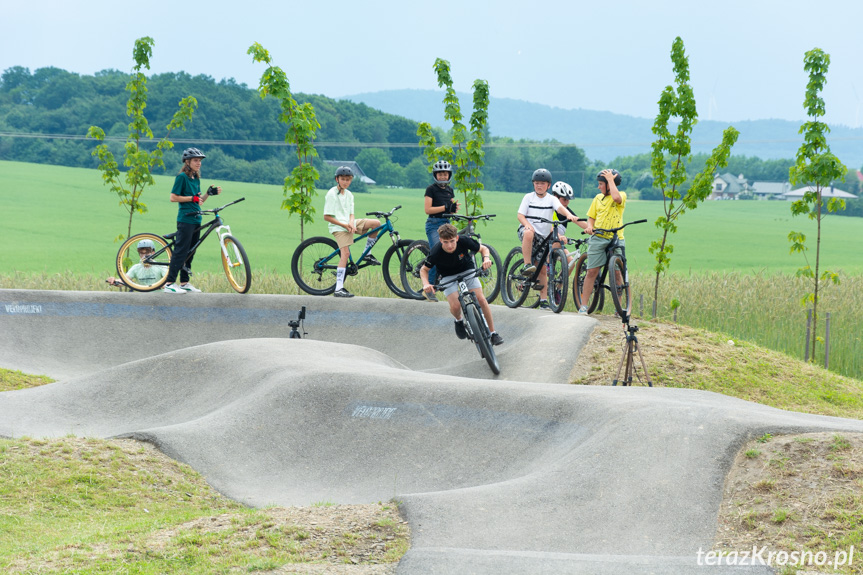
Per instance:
{"type": "Point", "coordinates": [236, 265]}
{"type": "Point", "coordinates": [514, 287]}
{"type": "Point", "coordinates": [619, 284]}
{"type": "Point", "coordinates": [578, 285]}
{"type": "Point", "coordinates": [392, 264]}
{"type": "Point", "coordinates": [481, 336]}
{"type": "Point", "coordinates": [490, 278]}
{"type": "Point", "coordinates": [142, 276]}
{"type": "Point", "coordinates": [314, 264]}
{"type": "Point", "coordinates": [409, 271]}
{"type": "Point", "coordinates": [558, 280]}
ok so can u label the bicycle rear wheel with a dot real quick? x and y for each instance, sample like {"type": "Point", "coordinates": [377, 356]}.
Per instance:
{"type": "Point", "coordinates": [314, 264]}
{"type": "Point", "coordinates": [139, 276]}
{"type": "Point", "coordinates": [490, 278]}
{"type": "Point", "coordinates": [481, 336]}
{"type": "Point", "coordinates": [578, 285]}
{"type": "Point", "coordinates": [392, 264]}
{"type": "Point", "coordinates": [514, 287]}
{"type": "Point", "coordinates": [558, 280]}
{"type": "Point", "coordinates": [236, 265]}
{"type": "Point", "coordinates": [409, 271]}
{"type": "Point", "coordinates": [618, 281]}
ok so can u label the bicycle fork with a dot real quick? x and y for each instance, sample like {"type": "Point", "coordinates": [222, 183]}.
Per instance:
{"type": "Point", "coordinates": [237, 260]}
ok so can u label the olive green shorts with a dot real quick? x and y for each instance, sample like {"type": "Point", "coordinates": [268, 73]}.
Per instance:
{"type": "Point", "coordinates": [596, 257]}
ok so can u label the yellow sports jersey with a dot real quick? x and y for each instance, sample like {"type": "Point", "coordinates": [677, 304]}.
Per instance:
{"type": "Point", "coordinates": [607, 213]}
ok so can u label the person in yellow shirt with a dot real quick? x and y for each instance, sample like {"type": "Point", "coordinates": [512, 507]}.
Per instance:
{"type": "Point", "coordinates": [605, 212]}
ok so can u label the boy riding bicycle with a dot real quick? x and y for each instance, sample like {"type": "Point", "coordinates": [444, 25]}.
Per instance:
{"type": "Point", "coordinates": [452, 255]}
{"type": "Point", "coordinates": [538, 204]}
{"type": "Point", "coordinates": [563, 192]}
{"type": "Point", "coordinates": [339, 214]}
{"type": "Point", "coordinates": [605, 212]}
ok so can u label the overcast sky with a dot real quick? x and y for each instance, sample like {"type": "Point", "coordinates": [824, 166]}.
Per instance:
{"type": "Point", "coordinates": [745, 56]}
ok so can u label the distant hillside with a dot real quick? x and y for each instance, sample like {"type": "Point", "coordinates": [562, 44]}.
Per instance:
{"type": "Point", "coordinates": [603, 135]}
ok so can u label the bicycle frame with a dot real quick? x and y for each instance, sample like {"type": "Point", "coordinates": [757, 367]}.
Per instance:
{"type": "Point", "coordinates": [216, 224]}
{"type": "Point", "coordinates": [543, 246]}
{"type": "Point", "coordinates": [387, 227]}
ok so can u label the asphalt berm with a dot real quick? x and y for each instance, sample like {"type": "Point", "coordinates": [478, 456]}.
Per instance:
{"type": "Point", "coordinates": [513, 473]}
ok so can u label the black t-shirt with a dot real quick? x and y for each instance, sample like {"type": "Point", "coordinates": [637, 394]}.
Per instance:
{"type": "Point", "coordinates": [561, 221]}
{"type": "Point", "coordinates": [441, 197]}
{"type": "Point", "coordinates": [461, 260]}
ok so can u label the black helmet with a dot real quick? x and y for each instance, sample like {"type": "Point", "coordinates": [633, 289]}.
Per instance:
{"type": "Point", "coordinates": [344, 171]}
{"type": "Point", "coordinates": [615, 173]}
{"type": "Point", "coordinates": [541, 175]}
{"type": "Point", "coordinates": [442, 166]}
{"type": "Point", "coordinates": [190, 153]}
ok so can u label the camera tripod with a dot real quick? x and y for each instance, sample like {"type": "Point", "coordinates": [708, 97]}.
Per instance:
{"type": "Point", "coordinates": [630, 348]}
{"type": "Point", "coordinates": [295, 325]}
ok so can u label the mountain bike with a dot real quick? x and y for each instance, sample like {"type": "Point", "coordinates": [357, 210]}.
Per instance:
{"type": "Point", "coordinates": [618, 279]}
{"type": "Point", "coordinates": [519, 289]}
{"type": "Point", "coordinates": [234, 260]}
{"type": "Point", "coordinates": [417, 252]}
{"type": "Point", "coordinates": [315, 260]}
{"type": "Point", "coordinates": [474, 319]}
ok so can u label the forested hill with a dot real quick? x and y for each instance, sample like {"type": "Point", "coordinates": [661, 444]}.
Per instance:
{"type": "Point", "coordinates": [605, 136]}
{"type": "Point", "coordinates": [44, 116]}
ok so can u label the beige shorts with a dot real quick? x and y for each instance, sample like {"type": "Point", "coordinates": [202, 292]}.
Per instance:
{"type": "Point", "coordinates": [346, 238]}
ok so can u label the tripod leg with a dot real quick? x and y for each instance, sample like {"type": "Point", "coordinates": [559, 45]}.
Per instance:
{"type": "Point", "coordinates": [643, 365]}
{"type": "Point", "coordinates": [620, 365]}
{"type": "Point", "coordinates": [628, 374]}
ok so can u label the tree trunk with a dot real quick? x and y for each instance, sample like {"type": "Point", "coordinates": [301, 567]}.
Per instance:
{"type": "Point", "coordinates": [817, 279]}
{"type": "Point", "coordinates": [656, 283]}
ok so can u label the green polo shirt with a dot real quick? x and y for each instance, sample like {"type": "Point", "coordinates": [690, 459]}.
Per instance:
{"type": "Point", "coordinates": [189, 212]}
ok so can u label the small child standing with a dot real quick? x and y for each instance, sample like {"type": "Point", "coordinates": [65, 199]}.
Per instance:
{"type": "Point", "coordinates": [339, 214]}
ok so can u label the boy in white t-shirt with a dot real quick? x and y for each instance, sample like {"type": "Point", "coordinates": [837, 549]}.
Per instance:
{"type": "Point", "coordinates": [538, 204]}
{"type": "Point", "coordinates": [339, 214]}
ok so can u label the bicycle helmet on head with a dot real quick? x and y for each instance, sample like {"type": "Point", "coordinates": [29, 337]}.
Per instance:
{"type": "Point", "coordinates": [615, 173]}
{"type": "Point", "coordinates": [344, 171]}
{"type": "Point", "coordinates": [442, 166]}
{"type": "Point", "coordinates": [146, 244]}
{"type": "Point", "coordinates": [190, 153]}
{"type": "Point", "coordinates": [562, 190]}
{"type": "Point", "coordinates": [541, 175]}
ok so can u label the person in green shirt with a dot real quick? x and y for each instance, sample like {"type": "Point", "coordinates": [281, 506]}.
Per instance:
{"type": "Point", "coordinates": [187, 193]}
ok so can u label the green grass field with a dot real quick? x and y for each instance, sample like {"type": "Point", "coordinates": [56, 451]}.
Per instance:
{"type": "Point", "coordinates": [64, 219]}
{"type": "Point", "coordinates": [731, 269]}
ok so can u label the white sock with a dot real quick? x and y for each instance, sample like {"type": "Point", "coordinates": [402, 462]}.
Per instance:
{"type": "Point", "coordinates": [340, 278]}
{"type": "Point", "coordinates": [370, 241]}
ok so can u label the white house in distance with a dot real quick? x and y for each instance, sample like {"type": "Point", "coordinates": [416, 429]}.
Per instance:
{"type": "Point", "coordinates": [826, 193]}
{"type": "Point", "coordinates": [770, 190]}
{"type": "Point", "coordinates": [728, 187]}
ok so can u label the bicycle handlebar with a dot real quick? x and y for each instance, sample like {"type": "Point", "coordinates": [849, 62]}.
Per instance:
{"type": "Point", "coordinates": [612, 230]}
{"type": "Point", "coordinates": [459, 277]}
{"type": "Point", "coordinates": [384, 214]}
{"type": "Point", "coordinates": [217, 210]}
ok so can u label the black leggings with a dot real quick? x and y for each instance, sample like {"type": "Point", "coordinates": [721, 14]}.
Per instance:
{"type": "Point", "coordinates": [187, 235]}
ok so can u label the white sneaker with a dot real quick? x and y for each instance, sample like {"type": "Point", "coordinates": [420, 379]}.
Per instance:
{"type": "Point", "coordinates": [582, 310]}
{"type": "Point", "coordinates": [173, 288]}
{"type": "Point", "coordinates": [189, 288]}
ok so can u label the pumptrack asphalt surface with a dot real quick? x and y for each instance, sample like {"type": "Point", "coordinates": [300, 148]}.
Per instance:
{"type": "Point", "coordinates": [509, 474]}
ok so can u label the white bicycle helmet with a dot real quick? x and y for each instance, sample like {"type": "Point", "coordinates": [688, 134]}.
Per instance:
{"type": "Point", "coordinates": [442, 166]}
{"type": "Point", "coordinates": [146, 244]}
{"type": "Point", "coordinates": [562, 190]}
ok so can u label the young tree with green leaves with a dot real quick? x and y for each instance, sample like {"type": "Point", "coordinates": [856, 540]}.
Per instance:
{"type": "Point", "coordinates": [673, 150]}
{"type": "Point", "coordinates": [817, 168]}
{"type": "Point", "coordinates": [465, 154]}
{"type": "Point", "coordinates": [299, 188]}
{"type": "Point", "coordinates": [129, 186]}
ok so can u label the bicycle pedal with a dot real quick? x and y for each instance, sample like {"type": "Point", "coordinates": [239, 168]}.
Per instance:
{"type": "Point", "coordinates": [537, 286]}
